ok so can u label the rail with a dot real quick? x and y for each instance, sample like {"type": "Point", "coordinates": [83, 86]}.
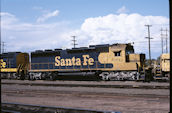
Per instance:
{"type": "Point", "coordinates": [131, 86]}
{"type": "Point", "coordinates": [28, 108]}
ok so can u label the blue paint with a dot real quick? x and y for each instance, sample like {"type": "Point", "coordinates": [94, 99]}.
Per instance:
{"type": "Point", "coordinates": [10, 59]}
{"type": "Point", "coordinates": [46, 60]}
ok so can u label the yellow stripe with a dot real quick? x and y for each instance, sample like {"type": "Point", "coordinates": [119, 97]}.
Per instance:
{"type": "Point", "coordinates": [8, 70]}
{"type": "Point", "coordinates": [82, 69]}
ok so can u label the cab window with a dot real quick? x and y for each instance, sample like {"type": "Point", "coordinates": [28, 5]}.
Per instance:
{"type": "Point", "coordinates": [117, 53]}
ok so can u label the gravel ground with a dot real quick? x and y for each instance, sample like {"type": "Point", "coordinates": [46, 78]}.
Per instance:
{"type": "Point", "coordinates": [111, 99]}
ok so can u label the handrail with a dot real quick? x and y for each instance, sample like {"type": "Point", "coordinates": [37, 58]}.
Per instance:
{"type": "Point", "coordinates": [66, 67]}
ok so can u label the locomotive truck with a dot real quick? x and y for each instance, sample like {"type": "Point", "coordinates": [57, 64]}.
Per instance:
{"type": "Point", "coordinates": [108, 62]}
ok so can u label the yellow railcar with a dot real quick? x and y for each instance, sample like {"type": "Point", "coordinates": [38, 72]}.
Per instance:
{"type": "Point", "coordinates": [165, 64]}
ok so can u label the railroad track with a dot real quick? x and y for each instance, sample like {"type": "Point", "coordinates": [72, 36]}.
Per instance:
{"type": "Point", "coordinates": [91, 85]}
{"type": "Point", "coordinates": [115, 99]}
{"type": "Point", "coordinates": [28, 108]}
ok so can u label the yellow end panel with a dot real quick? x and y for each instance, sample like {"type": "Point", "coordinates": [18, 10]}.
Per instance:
{"type": "Point", "coordinates": [8, 70]}
{"type": "Point", "coordinates": [165, 62]}
{"type": "Point", "coordinates": [165, 56]}
{"type": "Point", "coordinates": [134, 57]}
{"type": "Point", "coordinates": [119, 62]}
{"type": "Point", "coordinates": [137, 58]}
{"type": "Point", "coordinates": [3, 64]}
{"type": "Point", "coordinates": [22, 58]}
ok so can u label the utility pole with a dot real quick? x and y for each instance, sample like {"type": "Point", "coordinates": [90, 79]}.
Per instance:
{"type": "Point", "coordinates": [74, 41]}
{"type": "Point", "coordinates": [0, 45]}
{"type": "Point", "coordinates": [149, 43]}
{"type": "Point", "coordinates": [3, 47]}
{"type": "Point", "coordinates": [162, 40]}
{"type": "Point", "coordinates": [166, 40]}
{"type": "Point", "coordinates": [166, 37]}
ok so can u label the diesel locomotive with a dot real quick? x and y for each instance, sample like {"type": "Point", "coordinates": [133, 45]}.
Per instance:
{"type": "Point", "coordinates": [108, 62]}
{"type": "Point", "coordinates": [162, 68]}
{"type": "Point", "coordinates": [14, 65]}
{"type": "Point", "coordinates": [165, 64]}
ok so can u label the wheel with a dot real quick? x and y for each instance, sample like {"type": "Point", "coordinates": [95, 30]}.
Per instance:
{"type": "Point", "coordinates": [53, 76]}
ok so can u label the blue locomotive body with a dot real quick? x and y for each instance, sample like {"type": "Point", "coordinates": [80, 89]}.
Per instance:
{"type": "Point", "coordinates": [9, 59]}
{"type": "Point", "coordinates": [70, 59]}
{"type": "Point", "coordinates": [110, 62]}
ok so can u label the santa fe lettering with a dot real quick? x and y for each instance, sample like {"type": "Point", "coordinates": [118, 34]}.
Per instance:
{"type": "Point", "coordinates": [74, 61]}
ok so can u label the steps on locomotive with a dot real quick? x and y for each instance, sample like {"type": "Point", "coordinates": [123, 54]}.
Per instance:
{"type": "Point", "coordinates": [157, 75]}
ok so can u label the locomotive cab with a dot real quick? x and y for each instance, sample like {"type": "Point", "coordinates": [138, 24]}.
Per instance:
{"type": "Point", "coordinates": [126, 64]}
{"type": "Point", "coordinates": [124, 56]}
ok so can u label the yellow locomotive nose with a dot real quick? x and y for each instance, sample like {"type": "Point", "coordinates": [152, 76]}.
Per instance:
{"type": "Point", "coordinates": [3, 64]}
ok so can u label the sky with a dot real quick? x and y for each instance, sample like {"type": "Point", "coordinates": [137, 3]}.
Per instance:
{"type": "Point", "coordinates": [29, 25]}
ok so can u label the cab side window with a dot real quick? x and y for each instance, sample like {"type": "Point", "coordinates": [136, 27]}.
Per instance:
{"type": "Point", "coordinates": [117, 53]}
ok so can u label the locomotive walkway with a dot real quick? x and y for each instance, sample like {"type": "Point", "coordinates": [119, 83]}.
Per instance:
{"type": "Point", "coordinates": [99, 84]}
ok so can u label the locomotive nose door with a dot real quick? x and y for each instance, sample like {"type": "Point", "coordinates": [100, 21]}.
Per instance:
{"type": "Point", "coordinates": [22, 61]}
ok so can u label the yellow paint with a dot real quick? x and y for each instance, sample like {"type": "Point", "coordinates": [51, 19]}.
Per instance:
{"type": "Point", "coordinates": [165, 62]}
{"type": "Point", "coordinates": [74, 61]}
{"type": "Point", "coordinates": [88, 59]}
{"type": "Point", "coordinates": [85, 69]}
{"type": "Point", "coordinates": [57, 62]}
{"type": "Point", "coordinates": [3, 64]}
{"type": "Point", "coordinates": [9, 70]}
{"type": "Point", "coordinates": [119, 62]}
{"type": "Point", "coordinates": [106, 57]}
{"type": "Point", "coordinates": [85, 59]}
{"type": "Point", "coordinates": [62, 62]}
{"type": "Point", "coordinates": [68, 62]}
{"type": "Point", "coordinates": [78, 61]}
{"type": "Point", "coordinates": [91, 61]}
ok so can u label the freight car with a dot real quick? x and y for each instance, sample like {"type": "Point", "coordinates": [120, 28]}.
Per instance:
{"type": "Point", "coordinates": [14, 65]}
{"type": "Point", "coordinates": [110, 62]}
